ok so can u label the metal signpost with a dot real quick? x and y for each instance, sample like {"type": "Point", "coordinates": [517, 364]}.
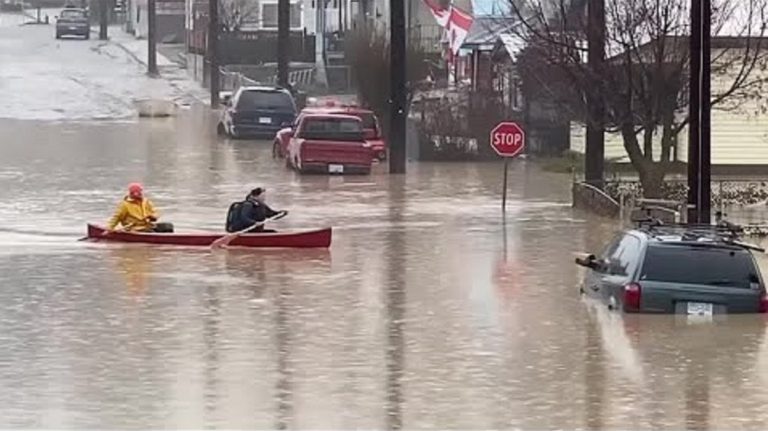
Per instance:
{"type": "Point", "coordinates": [508, 140]}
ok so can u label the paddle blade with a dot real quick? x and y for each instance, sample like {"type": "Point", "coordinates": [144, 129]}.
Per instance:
{"type": "Point", "coordinates": [223, 241]}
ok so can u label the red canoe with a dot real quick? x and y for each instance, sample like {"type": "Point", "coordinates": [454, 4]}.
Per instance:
{"type": "Point", "coordinates": [320, 238]}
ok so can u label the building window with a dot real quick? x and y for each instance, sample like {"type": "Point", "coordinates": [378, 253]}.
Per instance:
{"type": "Point", "coordinates": [269, 15]}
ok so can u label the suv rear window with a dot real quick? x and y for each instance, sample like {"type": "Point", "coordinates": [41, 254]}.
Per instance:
{"type": "Point", "coordinates": [337, 129]}
{"type": "Point", "coordinates": [72, 14]}
{"type": "Point", "coordinates": [712, 266]}
{"type": "Point", "coordinates": [272, 100]}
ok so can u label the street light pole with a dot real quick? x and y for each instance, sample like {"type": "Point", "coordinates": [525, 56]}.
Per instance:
{"type": "Point", "coordinates": [151, 38]}
{"type": "Point", "coordinates": [397, 91]}
{"type": "Point", "coordinates": [213, 51]}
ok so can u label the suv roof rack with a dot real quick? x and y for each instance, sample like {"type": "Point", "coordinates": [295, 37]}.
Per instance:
{"type": "Point", "coordinates": [723, 231]}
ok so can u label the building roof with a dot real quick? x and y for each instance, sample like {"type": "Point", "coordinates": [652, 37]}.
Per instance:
{"type": "Point", "coordinates": [485, 30]}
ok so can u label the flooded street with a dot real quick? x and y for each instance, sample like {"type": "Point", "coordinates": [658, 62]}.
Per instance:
{"type": "Point", "coordinates": [431, 310]}
{"type": "Point", "coordinates": [417, 317]}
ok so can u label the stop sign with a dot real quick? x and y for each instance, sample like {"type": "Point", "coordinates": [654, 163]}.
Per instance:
{"type": "Point", "coordinates": [508, 139]}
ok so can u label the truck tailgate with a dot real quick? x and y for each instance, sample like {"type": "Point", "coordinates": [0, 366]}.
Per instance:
{"type": "Point", "coordinates": [356, 153]}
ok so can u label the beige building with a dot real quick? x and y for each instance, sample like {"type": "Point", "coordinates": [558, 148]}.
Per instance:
{"type": "Point", "coordinates": [739, 133]}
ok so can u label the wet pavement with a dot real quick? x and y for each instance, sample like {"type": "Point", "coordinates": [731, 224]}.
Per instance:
{"type": "Point", "coordinates": [430, 310]}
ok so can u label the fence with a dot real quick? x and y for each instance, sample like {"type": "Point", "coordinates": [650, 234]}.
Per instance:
{"type": "Point", "coordinates": [302, 77]}
{"type": "Point", "coordinates": [299, 78]}
{"type": "Point", "coordinates": [746, 199]}
{"type": "Point", "coordinates": [231, 81]}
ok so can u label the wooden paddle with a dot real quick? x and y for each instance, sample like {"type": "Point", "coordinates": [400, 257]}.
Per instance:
{"type": "Point", "coordinates": [226, 239]}
{"type": "Point", "coordinates": [107, 232]}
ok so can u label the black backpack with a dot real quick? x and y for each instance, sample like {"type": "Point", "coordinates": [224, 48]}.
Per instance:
{"type": "Point", "coordinates": [233, 215]}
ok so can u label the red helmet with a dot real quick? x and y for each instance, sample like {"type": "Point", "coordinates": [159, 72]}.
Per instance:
{"type": "Point", "coordinates": [135, 189]}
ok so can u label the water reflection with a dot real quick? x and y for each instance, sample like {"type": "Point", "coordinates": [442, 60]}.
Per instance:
{"type": "Point", "coordinates": [662, 359]}
{"type": "Point", "coordinates": [211, 335]}
{"type": "Point", "coordinates": [134, 265]}
{"type": "Point", "coordinates": [395, 312]}
{"type": "Point", "coordinates": [283, 342]}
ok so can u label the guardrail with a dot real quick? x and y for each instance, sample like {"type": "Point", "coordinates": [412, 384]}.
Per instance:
{"type": "Point", "coordinates": [231, 81]}
{"type": "Point", "coordinates": [298, 78]}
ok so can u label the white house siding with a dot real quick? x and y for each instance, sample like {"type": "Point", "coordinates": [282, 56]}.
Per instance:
{"type": "Point", "coordinates": [739, 136]}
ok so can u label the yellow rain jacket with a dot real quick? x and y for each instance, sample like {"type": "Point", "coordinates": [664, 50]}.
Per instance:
{"type": "Point", "coordinates": [133, 214]}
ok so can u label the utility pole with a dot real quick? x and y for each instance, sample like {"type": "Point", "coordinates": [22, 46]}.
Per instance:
{"type": "Point", "coordinates": [320, 75]}
{"type": "Point", "coordinates": [397, 89]}
{"type": "Point", "coordinates": [103, 20]}
{"type": "Point", "coordinates": [213, 51]}
{"type": "Point", "coordinates": [283, 41]}
{"type": "Point", "coordinates": [595, 145]}
{"type": "Point", "coordinates": [151, 38]}
{"type": "Point", "coordinates": [699, 139]}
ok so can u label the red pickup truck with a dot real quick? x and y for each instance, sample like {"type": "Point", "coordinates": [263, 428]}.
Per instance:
{"type": "Point", "coordinates": [332, 144]}
{"type": "Point", "coordinates": [371, 128]}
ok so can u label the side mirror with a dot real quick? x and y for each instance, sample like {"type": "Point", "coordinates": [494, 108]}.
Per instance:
{"type": "Point", "coordinates": [588, 261]}
{"type": "Point", "coordinates": [369, 134]}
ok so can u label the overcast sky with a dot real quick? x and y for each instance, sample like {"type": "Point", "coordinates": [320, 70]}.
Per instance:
{"type": "Point", "coordinates": [485, 7]}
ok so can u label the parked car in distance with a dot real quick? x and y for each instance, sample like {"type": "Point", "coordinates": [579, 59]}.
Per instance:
{"type": "Point", "coordinates": [73, 21]}
{"type": "Point", "coordinates": [332, 144]}
{"type": "Point", "coordinates": [371, 128]}
{"type": "Point", "coordinates": [676, 269]}
{"type": "Point", "coordinates": [258, 112]}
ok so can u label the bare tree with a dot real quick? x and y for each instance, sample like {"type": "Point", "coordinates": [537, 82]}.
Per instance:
{"type": "Point", "coordinates": [367, 50]}
{"type": "Point", "coordinates": [644, 83]}
{"type": "Point", "coordinates": [234, 13]}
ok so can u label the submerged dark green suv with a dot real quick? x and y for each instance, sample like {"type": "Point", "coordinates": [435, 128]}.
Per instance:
{"type": "Point", "coordinates": [698, 270]}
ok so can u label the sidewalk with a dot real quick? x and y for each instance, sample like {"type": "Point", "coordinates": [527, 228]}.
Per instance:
{"type": "Point", "coordinates": [170, 71]}
{"type": "Point", "coordinates": [136, 48]}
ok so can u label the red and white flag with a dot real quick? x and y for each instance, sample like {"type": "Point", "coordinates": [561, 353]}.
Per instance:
{"type": "Point", "coordinates": [455, 21]}
{"type": "Point", "coordinates": [440, 13]}
{"type": "Point", "coordinates": [459, 23]}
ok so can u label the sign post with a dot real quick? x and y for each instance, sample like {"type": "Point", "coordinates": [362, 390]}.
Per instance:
{"type": "Point", "coordinates": [508, 140]}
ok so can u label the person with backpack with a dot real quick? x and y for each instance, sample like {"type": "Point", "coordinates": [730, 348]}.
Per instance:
{"type": "Point", "coordinates": [252, 210]}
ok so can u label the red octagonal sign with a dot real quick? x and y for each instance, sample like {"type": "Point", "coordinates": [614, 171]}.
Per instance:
{"type": "Point", "coordinates": [508, 139]}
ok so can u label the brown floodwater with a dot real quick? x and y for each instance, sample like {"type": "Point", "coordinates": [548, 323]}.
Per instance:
{"type": "Point", "coordinates": [431, 310]}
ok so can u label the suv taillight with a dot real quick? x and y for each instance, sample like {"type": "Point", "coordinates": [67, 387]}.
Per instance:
{"type": "Point", "coordinates": [632, 294]}
{"type": "Point", "coordinates": [763, 307]}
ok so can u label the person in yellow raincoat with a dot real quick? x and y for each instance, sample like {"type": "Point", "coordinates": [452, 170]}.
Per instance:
{"type": "Point", "coordinates": [136, 213]}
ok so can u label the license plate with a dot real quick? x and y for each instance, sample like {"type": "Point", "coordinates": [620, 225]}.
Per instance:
{"type": "Point", "coordinates": [73, 28]}
{"type": "Point", "coordinates": [265, 120]}
{"type": "Point", "coordinates": [700, 308]}
{"type": "Point", "coordinates": [336, 169]}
